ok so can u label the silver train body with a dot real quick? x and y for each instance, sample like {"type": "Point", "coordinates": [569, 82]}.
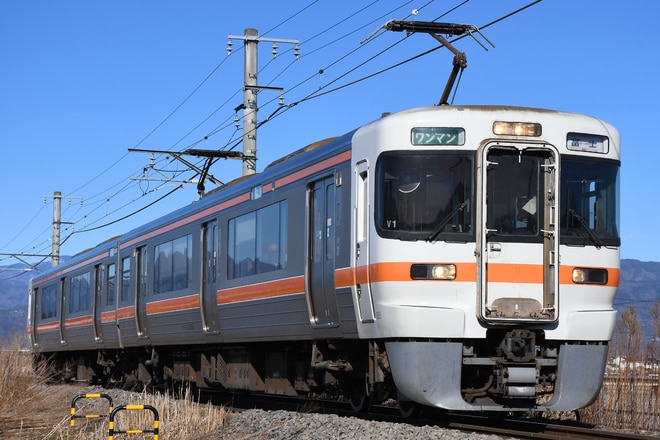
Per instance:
{"type": "Point", "coordinates": [464, 258]}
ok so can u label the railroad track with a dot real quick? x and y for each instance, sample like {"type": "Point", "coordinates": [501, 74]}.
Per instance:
{"type": "Point", "coordinates": [520, 428]}
{"type": "Point", "coordinates": [540, 429]}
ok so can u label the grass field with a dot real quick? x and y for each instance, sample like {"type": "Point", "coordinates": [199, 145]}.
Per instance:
{"type": "Point", "coordinates": [30, 408]}
{"type": "Point", "coordinates": [630, 397]}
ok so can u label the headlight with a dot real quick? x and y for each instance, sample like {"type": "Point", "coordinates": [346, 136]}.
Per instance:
{"type": "Point", "coordinates": [433, 271]}
{"type": "Point", "coordinates": [585, 275]}
{"type": "Point", "coordinates": [517, 128]}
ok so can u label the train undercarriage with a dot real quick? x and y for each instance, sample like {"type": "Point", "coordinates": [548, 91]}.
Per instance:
{"type": "Point", "coordinates": [515, 368]}
{"type": "Point", "coordinates": [353, 371]}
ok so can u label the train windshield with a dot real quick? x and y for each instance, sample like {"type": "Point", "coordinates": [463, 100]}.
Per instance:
{"type": "Point", "coordinates": [589, 213]}
{"type": "Point", "coordinates": [425, 195]}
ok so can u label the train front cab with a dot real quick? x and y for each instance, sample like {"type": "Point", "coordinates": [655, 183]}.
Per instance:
{"type": "Point", "coordinates": [501, 297]}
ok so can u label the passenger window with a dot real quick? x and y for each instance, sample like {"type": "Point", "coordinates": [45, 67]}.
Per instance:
{"type": "Point", "coordinates": [111, 282]}
{"type": "Point", "coordinates": [79, 293]}
{"type": "Point", "coordinates": [125, 278]}
{"type": "Point", "coordinates": [48, 302]}
{"type": "Point", "coordinates": [173, 261]}
{"type": "Point", "coordinates": [258, 241]}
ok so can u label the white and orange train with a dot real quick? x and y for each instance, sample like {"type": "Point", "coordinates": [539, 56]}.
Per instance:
{"type": "Point", "coordinates": [458, 257]}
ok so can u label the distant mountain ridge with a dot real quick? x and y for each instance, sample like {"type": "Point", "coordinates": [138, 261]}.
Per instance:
{"type": "Point", "coordinates": [639, 287]}
{"type": "Point", "coordinates": [14, 281]}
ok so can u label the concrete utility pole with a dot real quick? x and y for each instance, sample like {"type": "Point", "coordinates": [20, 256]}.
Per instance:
{"type": "Point", "coordinates": [57, 216]}
{"type": "Point", "coordinates": [57, 224]}
{"type": "Point", "coordinates": [250, 90]}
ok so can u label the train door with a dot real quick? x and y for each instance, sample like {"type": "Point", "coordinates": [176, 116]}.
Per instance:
{"type": "Point", "coordinates": [141, 292]}
{"type": "Point", "coordinates": [519, 256]}
{"type": "Point", "coordinates": [208, 300]}
{"type": "Point", "coordinates": [321, 252]}
{"type": "Point", "coordinates": [361, 215]}
{"type": "Point", "coordinates": [96, 304]}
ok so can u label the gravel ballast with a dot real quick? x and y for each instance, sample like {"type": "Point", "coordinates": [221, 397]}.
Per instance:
{"type": "Point", "coordinates": [262, 425]}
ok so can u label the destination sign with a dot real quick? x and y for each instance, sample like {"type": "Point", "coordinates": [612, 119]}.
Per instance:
{"type": "Point", "coordinates": [438, 136]}
{"type": "Point", "coordinates": [587, 142]}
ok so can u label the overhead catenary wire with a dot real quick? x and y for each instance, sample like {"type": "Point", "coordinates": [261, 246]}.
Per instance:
{"type": "Point", "coordinates": [316, 93]}
{"type": "Point", "coordinates": [225, 125]}
{"type": "Point", "coordinates": [322, 91]}
{"type": "Point", "coordinates": [25, 227]}
{"type": "Point", "coordinates": [333, 63]}
{"type": "Point", "coordinates": [236, 143]}
{"type": "Point", "coordinates": [319, 92]}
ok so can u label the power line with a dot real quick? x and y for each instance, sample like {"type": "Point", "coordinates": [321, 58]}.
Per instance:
{"type": "Point", "coordinates": [127, 216]}
{"type": "Point", "coordinates": [318, 93]}
{"type": "Point", "coordinates": [27, 225]}
{"type": "Point", "coordinates": [290, 17]}
{"type": "Point", "coordinates": [182, 102]}
{"type": "Point", "coordinates": [324, 90]}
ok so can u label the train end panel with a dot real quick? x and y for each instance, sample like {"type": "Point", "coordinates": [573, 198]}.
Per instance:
{"type": "Point", "coordinates": [440, 378]}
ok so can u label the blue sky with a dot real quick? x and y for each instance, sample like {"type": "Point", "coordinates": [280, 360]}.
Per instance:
{"type": "Point", "coordinates": [82, 82]}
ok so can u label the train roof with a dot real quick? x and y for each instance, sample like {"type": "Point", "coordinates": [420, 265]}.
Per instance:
{"type": "Point", "coordinates": [241, 185]}
{"type": "Point", "coordinates": [288, 164]}
{"type": "Point", "coordinates": [501, 109]}
{"type": "Point", "coordinates": [477, 121]}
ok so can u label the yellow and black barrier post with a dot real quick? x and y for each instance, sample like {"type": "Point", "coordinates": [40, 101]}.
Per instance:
{"type": "Point", "coordinates": [111, 423]}
{"type": "Point", "coordinates": [75, 400]}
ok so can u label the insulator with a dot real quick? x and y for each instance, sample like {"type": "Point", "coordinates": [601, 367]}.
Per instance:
{"type": "Point", "coordinates": [296, 52]}
{"type": "Point", "coordinates": [229, 46]}
{"type": "Point", "coordinates": [274, 50]}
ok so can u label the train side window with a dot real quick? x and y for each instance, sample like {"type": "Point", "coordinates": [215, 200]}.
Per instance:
{"type": "Point", "coordinates": [172, 262]}
{"type": "Point", "coordinates": [48, 302]}
{"type": "Point", "coordinates": [79, 293]}
{"type": "Point", "coordinates": [258, 241]}
{"type": "Point", "coordinates": [111, 283]}
{"type": "Point", "coordinates": [125, 278]}
{"type": "Point", "coordinates": [271, 237]}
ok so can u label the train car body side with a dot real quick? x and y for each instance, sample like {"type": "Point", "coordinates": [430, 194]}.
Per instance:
{"type": "Point", "coordinates": [456, 257]}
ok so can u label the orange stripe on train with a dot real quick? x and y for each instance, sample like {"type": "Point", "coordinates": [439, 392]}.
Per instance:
{"type": "Point", "coordinates": [51, 326]}
{"type": "Point", "coordinates": [344, 277]}
{"type": "Point", "coordinates": [80, 321]}
{"type": "Point", "coordinates": [268, 289]}
{"type": "Point", "coordinates": [397, 271]}
{"type": "Point", "coordinates": [125, 312]}
{"type": "Point", "coordinates": [173, 304]}
{"type": "Point", "coordinates": [514, 273]}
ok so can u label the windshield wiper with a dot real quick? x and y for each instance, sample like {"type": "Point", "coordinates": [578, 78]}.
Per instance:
{"type": "Point", "coordinates": [438, 229]}
{"type": "Point", "coordinates": [586, 227]}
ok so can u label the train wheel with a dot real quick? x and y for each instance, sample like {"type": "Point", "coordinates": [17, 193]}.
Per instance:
{"type": "Point", "coordinates": [408, 408]}
{"type": "Point", "coordinates": [360, 397]}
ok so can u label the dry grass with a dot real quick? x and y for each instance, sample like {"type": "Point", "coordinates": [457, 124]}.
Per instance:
{"type": "Point", "coordinates": [630, 397]}
{"type": "Point", "coordinates": [32, 409]}
{"type": "Point", "coordinates": [24, 397]}
{"type": "Point", "coordinates": [178, 418]}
